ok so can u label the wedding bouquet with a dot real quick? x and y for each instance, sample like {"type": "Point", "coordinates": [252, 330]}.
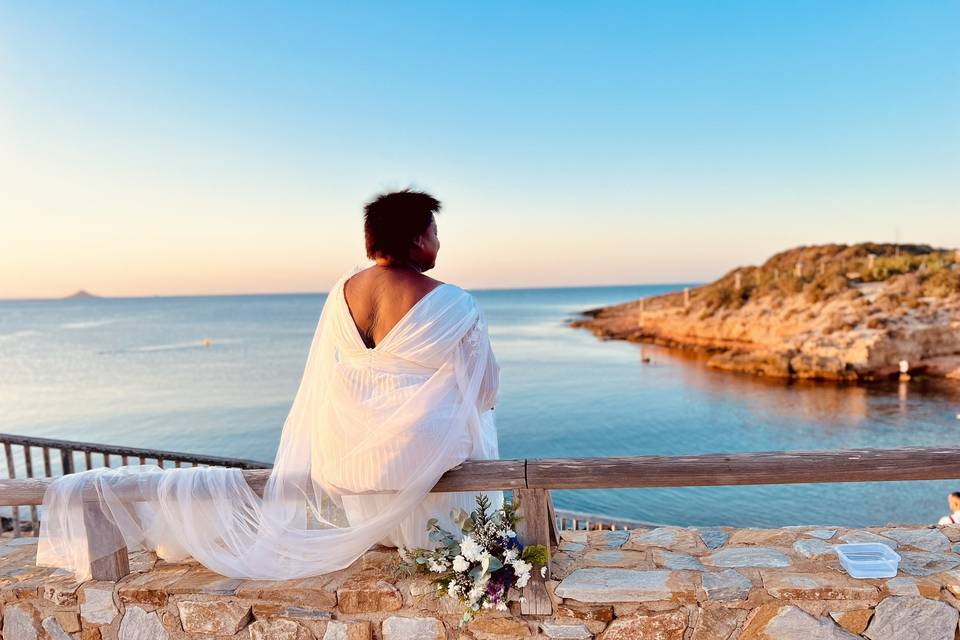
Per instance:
{"type": "Point", "coordinates": [480, 564]}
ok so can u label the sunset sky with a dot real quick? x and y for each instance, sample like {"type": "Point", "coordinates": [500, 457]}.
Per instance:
{"type": "Point", "coordinates": [213, 147]}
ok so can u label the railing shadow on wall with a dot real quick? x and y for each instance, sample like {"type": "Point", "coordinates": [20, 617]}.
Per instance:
{"type": "Point", "coordinates": [529, 480]}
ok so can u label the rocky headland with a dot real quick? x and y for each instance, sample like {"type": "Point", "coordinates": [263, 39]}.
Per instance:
{"type": "Point", "coordinates": [831, 312]}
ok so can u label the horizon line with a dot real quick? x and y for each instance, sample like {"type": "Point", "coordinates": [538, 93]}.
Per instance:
{"type": "Point", "coordinates": [92, 296]}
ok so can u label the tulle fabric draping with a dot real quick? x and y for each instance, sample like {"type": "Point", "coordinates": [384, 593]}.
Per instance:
{"type": "Point", "coordinates": [389, 420]}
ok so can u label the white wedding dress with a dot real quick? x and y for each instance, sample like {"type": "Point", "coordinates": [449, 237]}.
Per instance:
{"type": "Point", "coordinates": [370, 432]}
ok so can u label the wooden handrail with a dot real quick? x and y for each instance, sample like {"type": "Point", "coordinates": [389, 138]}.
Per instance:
{"type": "Point", "coordinates": [724, 469]}
{"type": "Point", "coordinates": [130, 452]}
{"type": "Point", "coordinates": [472, 475]}
{"type": "Point", "coordinates": [778, 467]}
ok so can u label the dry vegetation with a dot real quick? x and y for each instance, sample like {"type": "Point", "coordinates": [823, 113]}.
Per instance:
{"type": "Point", "coordinates": [832, 311]}
{"type": "Point", "coordinates": [914, 272]}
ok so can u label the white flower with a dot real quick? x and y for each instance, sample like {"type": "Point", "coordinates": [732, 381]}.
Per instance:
{"type": "Point", "coordinates": [543, 571]}
{"type": "Point", "coordinates": [460, 564]}
{"type": "Point", "coordinates": [510, 555]}
{"type": "Point", "coordinates": [522, 580]}
{"type": "Point", "coordinates": [510, 533]}
{"type": "Point", "coordinates": [523, 598]}
{"type": "Point", "coordinates": [502, 606]}
{"type": "Point", "coordinates": [476, 593]}
{"type": "Point", "coordinates": [470, 549]}
{"type": "Point", "coordinates": [437, 567]}
{"type": "Point", "coordinates": [521, 567]}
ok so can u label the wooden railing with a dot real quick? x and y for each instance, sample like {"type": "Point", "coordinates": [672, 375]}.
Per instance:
{"type": "Point", "coordinates": [530, 481]}
{"type": "Point", "coordinates": [34, 457]}
{"type": "Point", "coordinates": [48, 458]}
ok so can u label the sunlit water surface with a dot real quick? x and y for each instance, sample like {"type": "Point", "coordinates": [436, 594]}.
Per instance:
{"type": "Point", "coordinates": [138, 372]}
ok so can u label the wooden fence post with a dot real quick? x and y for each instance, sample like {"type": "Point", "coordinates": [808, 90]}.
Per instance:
{"type": "Point", "coordinates": [66, 461]}
{"type": "Point", "coordinates": [536, 511]}
{"type": "Point", "coordinates": [100, 530]}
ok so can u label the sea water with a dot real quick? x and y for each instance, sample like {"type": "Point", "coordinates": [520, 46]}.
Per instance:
{"type": "Point", "coordinates": [217, 375]}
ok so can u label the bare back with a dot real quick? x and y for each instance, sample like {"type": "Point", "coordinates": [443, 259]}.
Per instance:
{"type": "Point", "coordinates": [379, 297]}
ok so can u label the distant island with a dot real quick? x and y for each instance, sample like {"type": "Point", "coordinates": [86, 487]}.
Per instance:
{"type": "Point", "coordinates": [80, 295]}
{"type": "Point", "coordinates": [831, 312]}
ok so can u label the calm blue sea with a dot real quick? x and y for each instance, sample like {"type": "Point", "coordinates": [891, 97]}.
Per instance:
{"type": "Point", "coordinates": [137, 372]}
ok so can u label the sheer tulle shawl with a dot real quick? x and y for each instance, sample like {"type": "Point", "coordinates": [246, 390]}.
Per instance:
{"type": "Point", "coordinates": [436, 373]}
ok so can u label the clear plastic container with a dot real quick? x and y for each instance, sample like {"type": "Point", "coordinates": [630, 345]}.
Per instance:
{"type": "Point", "coordinates": [868, 560]}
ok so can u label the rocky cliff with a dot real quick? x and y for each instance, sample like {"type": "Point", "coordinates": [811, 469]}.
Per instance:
{"type": "Point", "coordinates": [834, 312]}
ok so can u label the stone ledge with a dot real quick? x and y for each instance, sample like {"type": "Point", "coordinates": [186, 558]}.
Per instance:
{"type": "Point", "coordinates": [671, 583]}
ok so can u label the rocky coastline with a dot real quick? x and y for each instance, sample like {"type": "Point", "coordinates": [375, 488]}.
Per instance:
{"type": "Point", "coordinates": [829, 312]}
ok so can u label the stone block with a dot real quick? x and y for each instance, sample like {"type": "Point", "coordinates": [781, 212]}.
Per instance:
{"type": "Point", "coordinates": [53, 629]}
{"type": "Point", "coordinates": [951, 531]}
{"type": "Point", "coordinates": [595, 617]}
{"type": "Point", "coordinates": [735, 557]}
{"type": "Point", "coordinates": [661, 626]}
{"type": "Point", "coordinates": [578, 535]}
{"type": "Point", "coordinates": [96, 603]}
{"type": "Point", "coordinates": [367, 594]}
{"type": "Point", "coordinates": [926, 563]}
{"type": "Point", "coordinates": [899, 617]}
{"type": "Point", "coordinates": [777, 621]}
{"type": "Point", "coordinates": [675, 539]}
{"type": "Point", "coordinates": [717, 623]}
{"type": "Point", "coordinates": [69, 621]}
{"type": "Point", "coordinates": [309, 592]}
{"type": "Point", "coordinates": [616, 558]}
{"type": "Point", "coordinates": [923, 539]}
{"type": "Point", "coordinates": [487, 627]}
{"type": "Point", "coordinates": [138, 624]}
{"type": "Point", "coordinates": [822, 534]}
{"type": "Point", "coordinates": [203, 581]}
{"type": "Point", "coordinates": [353, 630]}
{"type": "Point", "coordinates": [278, 629]}
{"type": "Point", "coordinates": [21, 622]}
{"type": "Point", "coordinates": [854, 621]}
{"type": "Point", "coordinates": [676, 561]}
{"type": "Point", "coordinates": [814, 548]}
{"type": "Point", "coordinates": [60, 590]}
{"type": "Point", "coordinates": [607, 539]}
{"type": "Point", "coordinates": [762, 538]}
{"type": "Point", "coordinates": [402, 628]}
{"type": "Point", "coordinates": [713, 537]}
{"type": "Point", "coordinates": [149, 588]}
{"type": "Point", "coordinates": [217, 617]}
{"type": "Point", "coordinates": [565, 630]}
{"type": "Point", "coordinates": [728, 584]}
{"type": "Point", "coordinates": [817, 586]}
{"type": "Point", "coordinates": [594, 584]}
{"type": "Point", "coordinates": [907, 586]}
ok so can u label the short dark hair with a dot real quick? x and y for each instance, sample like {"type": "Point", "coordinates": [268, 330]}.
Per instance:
{"type": "Point", "coordinates": [392, 221]}
{"type": "Point", "coordinates": [955, 494]}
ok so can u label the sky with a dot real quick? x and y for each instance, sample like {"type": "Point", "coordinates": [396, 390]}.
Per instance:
{"type": "Point", "coordinates": [184, 148]}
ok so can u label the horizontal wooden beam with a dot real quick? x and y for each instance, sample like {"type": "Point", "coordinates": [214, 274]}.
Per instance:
{"type": "Point", "coordinates": [471, 475]}
{"type": "Point", "coordinates": [778, 467]}
{"type": "Point", "coordinates": [724, 469]}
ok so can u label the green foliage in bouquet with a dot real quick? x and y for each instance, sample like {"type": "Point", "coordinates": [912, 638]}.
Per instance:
{"type": "Point", "coordinates": [480, 564]}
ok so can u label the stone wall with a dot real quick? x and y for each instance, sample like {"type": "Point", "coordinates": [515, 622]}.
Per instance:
{"type": "Point", "coordinates": [666, 584]}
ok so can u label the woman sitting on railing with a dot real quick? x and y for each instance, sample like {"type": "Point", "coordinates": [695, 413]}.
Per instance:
{"type": "Point", "coordinates": [399, 386]}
